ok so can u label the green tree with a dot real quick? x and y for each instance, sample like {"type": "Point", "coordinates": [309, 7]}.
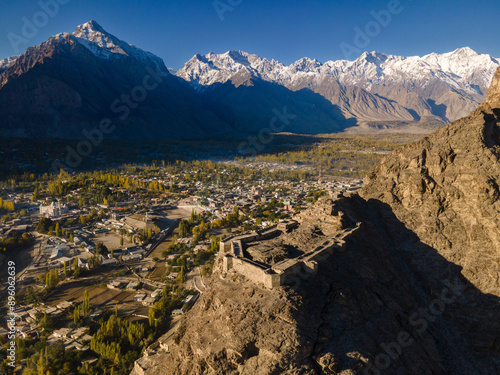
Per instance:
{"type": "Point", "coordinates": [182, 229]}
{"type": "Point", "coordinates": [44, 225]}
{"type": "Point", "coordinates": [181, 277]}
{"type": "Point", "coordinates": [77, 271]}
{"type": "Point", "coordinates": [76, 314]}
{"type": "Point", "coordinates": [52, 278]}
{"type": "Point", "coordinates": [151, 317]}
{"type": "Point", "coordinates": [85, 303]}
{"type": "Point", "coordinates": [41, 365]}
{"type": "Point", "coordinates": [214, 244]}
{"type": "Point", "coordinates": [36, 194]}
{"type": "Point", "coordinates": [100, 249]}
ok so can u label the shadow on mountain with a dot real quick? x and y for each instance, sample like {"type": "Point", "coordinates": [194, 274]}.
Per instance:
{"type": "Point", "coordinates": [253, 105]}
{"type": "Point", "coordinates": [70, 91]}
{"type": "Point", "coordinates": [392, 302]}
{"type": "Point", "coordinates": [438, 109]}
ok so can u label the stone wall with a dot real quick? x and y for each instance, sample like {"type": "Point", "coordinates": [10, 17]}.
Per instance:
{"type": "Point", "coordinates": [226, 245]}
{"type": "Point", "coordinates": [306, 265]}
{"type": "Point", "coordinates": [251, 270]}
{"type": "Point", "coordinates": [281, 273]}
{"type": "Point", "coordinates": [271, 279]}
{"type": "Point", "coordinates": [288, 268]}
{"type": "Point", "coordinates": [237, 248]}
{"type": "Point", "coordinates": [268, 233]}
{"type": "Point", "coordinates": [323, 252]}
{"type": "Point", "coordinates": [227, 263]}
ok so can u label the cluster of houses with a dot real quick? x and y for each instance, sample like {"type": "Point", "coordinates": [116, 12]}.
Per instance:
{"type": "Point", "coordinates": [146, 298]}
{"type": "Point", "coordinates": [26, 317]}
{"type": "Point", "coordinates": [77, 339]}
{"type": "Point", "coordinates": [222, 200]}
{"type": "Point", "coordinates": [61, 254]}
{"type": "Point", "coordinates": [14, 228]}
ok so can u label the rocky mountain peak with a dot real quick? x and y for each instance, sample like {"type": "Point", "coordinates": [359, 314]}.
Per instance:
{"type": "Point", "coordinates": [105, 45]}
{"type": "Point", "coordinates": [238, 56]}
{"type": "Point", "coordinates": [306, 64]}
{"type": "Point", "coordinates": [88, 28]}
{"type": "Point", "coordinates": [374, 57]}
{"type": "Point", "coordinates": [5, 63]}
{"type": "Point", "coordinates": [465, 52]}
{"type": "Point", "coordinates": [98, 41]}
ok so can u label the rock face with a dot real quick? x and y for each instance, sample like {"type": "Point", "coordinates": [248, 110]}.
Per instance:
{"type": "Point", "coordinates": [445, 188]}
{"type": "Point", "coordinates": [415, 289]}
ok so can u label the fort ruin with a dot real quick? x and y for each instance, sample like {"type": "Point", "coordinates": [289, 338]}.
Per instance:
{"type": "Point", "coordinates": [235, 253]}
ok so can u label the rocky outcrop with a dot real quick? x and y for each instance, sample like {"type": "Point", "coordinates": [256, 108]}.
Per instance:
{"type": "Point", "coordinates": [445, 189]}
{"type": "Point", "coordinates": [414, 290]}
{"type": "Point", "coordinates": [372, 307]}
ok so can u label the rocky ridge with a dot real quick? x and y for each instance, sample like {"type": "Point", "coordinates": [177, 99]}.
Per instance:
{"type": "Point", "coordinates": [445, 188]}
{"type": "Point", "coordinates": [374, 87]}
{"type": "Point", "coordinates": [415, 290]}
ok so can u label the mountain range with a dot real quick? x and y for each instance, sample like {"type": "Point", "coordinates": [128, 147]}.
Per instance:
{"type": "Point", "coordinates": [375, 87]}
{"type": "Point", "coordinates": [71, 82]}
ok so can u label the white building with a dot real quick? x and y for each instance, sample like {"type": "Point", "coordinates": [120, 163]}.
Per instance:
{"type": "Point", "coordinates": [156, 293]}
{"type": "Point", "coordinates": [55, 209]}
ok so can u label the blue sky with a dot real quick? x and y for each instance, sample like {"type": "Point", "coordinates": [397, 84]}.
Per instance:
{"type": "Point", "coordinates": [285, 30]}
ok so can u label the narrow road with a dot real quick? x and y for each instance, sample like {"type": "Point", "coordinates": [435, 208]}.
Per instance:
{"type": "Point", "coordinates": [194, 281]}
{"type": "Point", "coordinates": [37, 254]}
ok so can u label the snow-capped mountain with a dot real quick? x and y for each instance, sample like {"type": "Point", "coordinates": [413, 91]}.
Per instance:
{"type": "Point", "coordinates": [69, 83]}
{"type": "Point", "coordinates": [104, 45]}
{"type": "Point", "coordinates": [446, 85]}
{"type": "Point", "coordinates": [73, 80]}
{"type": "Point", "coordinates": [5, 63]}
{"type": "Point", "coordinates": [212, 68]}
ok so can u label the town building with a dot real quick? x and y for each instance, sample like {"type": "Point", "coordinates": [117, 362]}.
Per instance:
{"type": "Point", "coordinates": [56, 209]}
